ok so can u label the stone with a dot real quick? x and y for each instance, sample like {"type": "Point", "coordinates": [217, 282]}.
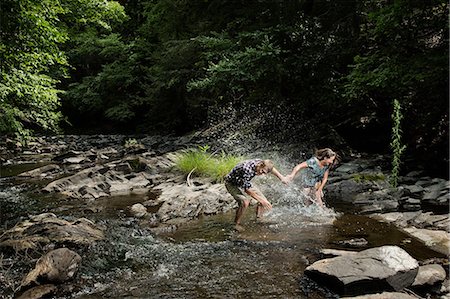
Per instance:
{"type": "Point", "coordinates": [37, 292]}
{"type": "Point", "coordinates": [384, 295]}
{"type": "Point", "coordinates": [56, 266]}
{"type": "Point", "coordinates": [435, 239]}
{"type": "Point", "coordinates": [372, 270]}
{"type": "Point", "coordinates": [46, 228]}
{"type": "Point", "coordinates": [138, 210]}
{"type": "Point", "coordinates": [429, 275]}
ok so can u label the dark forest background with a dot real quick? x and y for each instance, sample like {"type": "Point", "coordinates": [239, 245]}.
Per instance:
{"type": "Point", "coordinates": [159, 66]}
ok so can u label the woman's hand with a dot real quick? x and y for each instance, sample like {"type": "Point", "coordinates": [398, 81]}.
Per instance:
{"type": "Point", "coordinates": [285, 180]}
{"type": "Point", "coordinates": [319, 195]}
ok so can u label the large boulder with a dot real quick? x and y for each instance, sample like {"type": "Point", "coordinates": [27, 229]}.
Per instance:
{"type": "Point", "coordinates": [386, 268]}
{"type": "Point", "coordinates": [46, 228]}
{"type": "Point", "coordinates": [56, 266]}
{"type": "Point", "coordinates": [384, 295]}
{"type": "Point", "coordinates": [180, 202]}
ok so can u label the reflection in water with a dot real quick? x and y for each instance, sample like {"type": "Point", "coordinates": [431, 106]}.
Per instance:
{"type": "Point", "coordinates": [206, 258]}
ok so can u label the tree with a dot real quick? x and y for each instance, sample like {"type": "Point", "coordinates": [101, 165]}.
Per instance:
{"type": "Point", "coordinates": [404, 55]}
{"type": "Point", "coordinates": [33, 62]}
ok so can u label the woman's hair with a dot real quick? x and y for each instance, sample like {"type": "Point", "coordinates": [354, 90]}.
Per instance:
{"type": "Point", "coordinates": [325, 153]}
{"type": "Point", "coordinates": [267, 164]}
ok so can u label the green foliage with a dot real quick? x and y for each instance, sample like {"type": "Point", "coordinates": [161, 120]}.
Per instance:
{"type": "Point", "coordinates": [131, 142]}
{"type": "Point", "coordinates": [30, 57]}
{"type": "Point", "coordinates": [33, 62]}
{"type": "Point", "coordinates": [201, 162]}
{"type": "Point", "coordinates": [404, 55]}
{"type": "Point", "coordinates": [396, 145]}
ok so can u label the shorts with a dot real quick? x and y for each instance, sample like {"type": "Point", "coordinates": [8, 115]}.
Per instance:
{"type": "Point", "coordinates": [239, 194]}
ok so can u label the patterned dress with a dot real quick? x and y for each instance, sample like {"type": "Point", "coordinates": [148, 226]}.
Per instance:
{"type": "Point", "coordinates": [313, 174]}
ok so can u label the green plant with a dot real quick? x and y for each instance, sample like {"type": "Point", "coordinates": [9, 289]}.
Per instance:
{"type": "Point", "coordinates": [396, 145]}
{"type": "Point", "coordinates": [200, 162]}
{"type": "Point", "coordinates": [131, 142]}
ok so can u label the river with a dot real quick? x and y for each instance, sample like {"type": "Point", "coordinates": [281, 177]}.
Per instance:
{"type": "Point", "coordinates": [204, 258]}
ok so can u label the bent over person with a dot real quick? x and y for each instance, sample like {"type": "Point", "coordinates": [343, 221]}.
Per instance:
{"type": "Point", "coordinates": [239, 186]}
{"type": "Point", "coordinates": [315, 175]}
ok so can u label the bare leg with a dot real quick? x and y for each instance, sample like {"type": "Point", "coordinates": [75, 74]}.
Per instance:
{"type": "Point", "coordinates": [259, 207]}
{"type": "Point", "coordinates": [259, 211]}
{"type": "Point", "coordinates": [308, 196]}
{"type": "Point", "coordinates": [243, 204]}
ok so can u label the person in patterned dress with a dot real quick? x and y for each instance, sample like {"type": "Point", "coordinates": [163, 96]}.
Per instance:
{"type": "Point", "coordinates": [238, 184]}
{"type": "Point", "coordinates": [315, 174]}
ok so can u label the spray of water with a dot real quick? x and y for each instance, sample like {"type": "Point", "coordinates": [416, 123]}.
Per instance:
{"type": "Point", "coordinates": [276, 134]}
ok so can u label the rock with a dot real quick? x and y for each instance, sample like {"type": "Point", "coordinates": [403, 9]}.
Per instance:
{"type": "Point", "coordinates": [113, 179]}
{"type": "Point", "coordinates": [43, 171]}
{"type": "Point", "coordinates": [38, 292]}
{"type": "Point", "coordinates": [359, 242]}
{"type": "Point", "coordinates": [429, 275]}
{"type": "Point", "coordinates": [384, 295]}
{"type": "Point", "coordinates": [372, 270]}
{"type": "Point", "coordinates": [181, 202]}
{"type": "Point", "coordinates": [138, 210]}
{"type": "Point", "coordinates": [56, 266]}
{"type": "Point", "coordinates": [435, 239]}
{"type": "Point", "coordinates": [47, 228]}
{"type": "Point", "coordinates": [335, 252]}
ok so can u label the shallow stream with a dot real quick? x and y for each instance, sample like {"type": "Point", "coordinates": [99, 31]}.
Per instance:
{"type": "Point", "coordinates": [206, 258]}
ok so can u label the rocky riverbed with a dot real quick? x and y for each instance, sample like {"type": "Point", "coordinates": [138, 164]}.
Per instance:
{"type": "Point", "coordinates": [87, 170]}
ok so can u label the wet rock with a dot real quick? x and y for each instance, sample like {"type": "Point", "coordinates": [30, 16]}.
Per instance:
{"type": "Point", "coordinates": [56, 266]}
{"type": "Point", "coordinates": [41, 172]}
{"type": "Point", "coordinates": [47, 228]}
{"type": "Point", "coordinates": [359, 242]}
{"type": "Point", "coordinates": [185, 202]}
{"type": "Point", "coordinates": [429, 275]}
{"type": "Point", "coordinates": [138, 210]}
{"type": "Point", "coordinates": [372, 270]}
{"type": "Point", "coordinates": [425, 227]}
{"type": "Point", "coordinates": [435, 239]}
{"type": "Point", "coordinates": [37, 292]}
{"type": "Point", "coordinates": [384, 295]}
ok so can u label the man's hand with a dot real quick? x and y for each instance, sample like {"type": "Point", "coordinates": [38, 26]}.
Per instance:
{"type": "Point", "coordinates": [266, 204]}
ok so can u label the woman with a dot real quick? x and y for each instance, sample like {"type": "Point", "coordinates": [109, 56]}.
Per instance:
{"type": "Point", "coordinates": [315, 174]}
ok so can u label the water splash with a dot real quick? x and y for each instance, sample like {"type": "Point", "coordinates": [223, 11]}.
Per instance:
{"type": "Point", "coordinates": [256, 130]}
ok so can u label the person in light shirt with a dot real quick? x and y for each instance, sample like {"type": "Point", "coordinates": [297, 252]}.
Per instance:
{"type": "Point", "coordinates": [315, 175]}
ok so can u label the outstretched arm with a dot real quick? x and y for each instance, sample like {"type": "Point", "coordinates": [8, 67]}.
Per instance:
{"type": "Point", "coordinates": [297, 169]}
{"type": "Point", "coordinates": [263, 201]}
{"type": "Point", "coordinates": [280, 176]}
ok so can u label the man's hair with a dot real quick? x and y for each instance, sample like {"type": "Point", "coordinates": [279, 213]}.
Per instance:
{"type": "Point", "coordinates": [267, 164]}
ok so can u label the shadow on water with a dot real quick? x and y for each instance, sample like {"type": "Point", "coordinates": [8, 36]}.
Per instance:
{"type": "Point", "coordinates": [206, 258]}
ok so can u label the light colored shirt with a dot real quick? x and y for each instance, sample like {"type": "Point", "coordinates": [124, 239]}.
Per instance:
{"type": "Point", "coordinates": [314, 173]}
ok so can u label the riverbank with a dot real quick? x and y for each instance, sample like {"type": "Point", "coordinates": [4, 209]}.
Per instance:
{"type": "Point", "coordinates": [128, 184]}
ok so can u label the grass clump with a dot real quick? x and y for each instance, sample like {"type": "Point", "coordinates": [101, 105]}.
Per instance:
{"type": "Point", "coordinates": [202, 163]}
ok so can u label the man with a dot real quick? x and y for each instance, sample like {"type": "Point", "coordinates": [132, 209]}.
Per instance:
{"type": "Point", "coordinates": [239, 186]}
